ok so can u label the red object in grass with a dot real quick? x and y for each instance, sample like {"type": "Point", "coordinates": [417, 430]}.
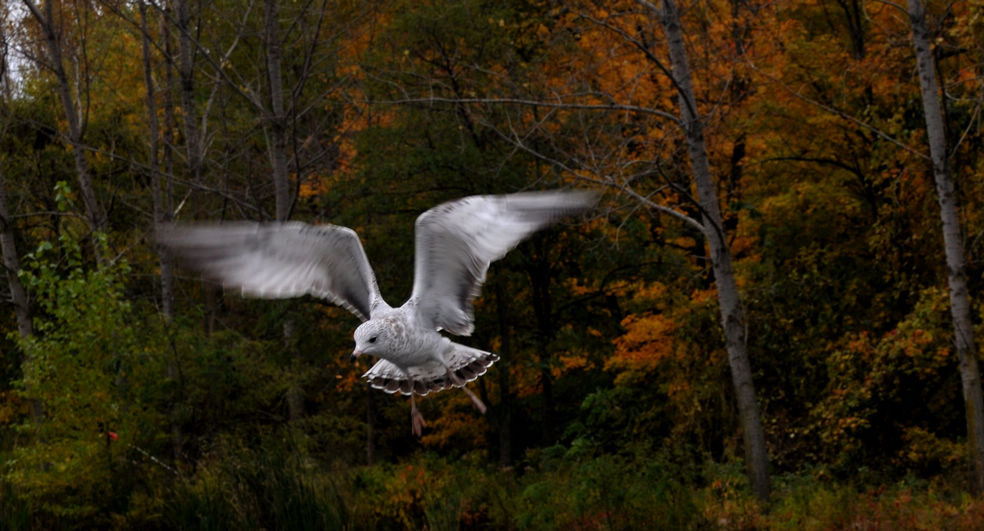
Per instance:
{"type": "Point", "coordinates": [112, 435]}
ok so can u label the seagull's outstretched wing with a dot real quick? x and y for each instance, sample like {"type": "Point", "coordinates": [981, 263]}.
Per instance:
{"type": "Point", "coordinates": [456, 242]}
{"type": "Point", "coordinates": [280, 260]}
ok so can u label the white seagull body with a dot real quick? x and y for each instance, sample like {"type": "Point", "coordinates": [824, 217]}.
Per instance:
{"type": "Point", "coordinates": [455, 243]}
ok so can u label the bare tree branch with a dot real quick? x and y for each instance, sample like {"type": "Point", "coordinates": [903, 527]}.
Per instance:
{"type": "Point", "coordinates": [837, 112]}
{"type": "Point", "coordinates": [531, 103]}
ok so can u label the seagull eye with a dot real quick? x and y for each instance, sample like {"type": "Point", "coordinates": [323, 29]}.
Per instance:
{"type": "Point", "coordinates": [372, 339]}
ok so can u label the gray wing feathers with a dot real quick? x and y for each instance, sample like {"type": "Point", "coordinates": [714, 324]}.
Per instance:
{"type": "Point", "coordinates": [279, 260]}
{"type": "Point", "coordinates": [456, 242]}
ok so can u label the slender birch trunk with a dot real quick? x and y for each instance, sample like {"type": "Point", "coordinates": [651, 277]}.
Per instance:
{"type": "Point", "coordinates": [952, 241]}
{"type": "Point", "coordinates": [11, 265]}
{"type": "Point", "coordinates": [277, 148]}
{"type": "Point", "coordinates": [157, 193]}
{"type": "Point", "coordinates": [186, 76]}
{"type": "Point", "coordinates": [278, 119]}
{"type": "Point", "coordinates": [169, 121]}
{"type": "Point", "coordinates": [9, 257]}
{"type": "Point", "coordinates": [504, 410]}
{"type": "Point", "coordinates": [194, 144]}
{"type": "Point", "coordinates": [370, 426]}
{"type": "Point", "coordinates": [162, 209]}
{"type": "Point", "coordinates": [93, 209]}
{"type": "Point", "coordinates": [732, 317]}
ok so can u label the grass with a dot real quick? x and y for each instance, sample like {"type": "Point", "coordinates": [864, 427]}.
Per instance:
{"type": "Point", "coordinates": [281, 487]}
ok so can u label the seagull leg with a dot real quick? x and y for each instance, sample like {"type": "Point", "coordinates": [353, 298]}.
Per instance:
{"type": "Point", "coordinates": [458, 382]}
{"type": "Point", "coordinates": [417, 423]}
{"type": "Point", "coordinates": [455, 380]}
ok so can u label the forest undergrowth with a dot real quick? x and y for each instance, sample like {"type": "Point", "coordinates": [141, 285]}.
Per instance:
{"type": "Point", "coordinates": [279, 485]}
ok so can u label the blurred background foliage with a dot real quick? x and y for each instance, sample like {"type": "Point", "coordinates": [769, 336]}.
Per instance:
{"type": "Point", "coordinates": [133, 405]}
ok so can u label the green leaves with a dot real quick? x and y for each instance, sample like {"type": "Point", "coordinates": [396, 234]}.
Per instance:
{"type": "Point", "coordinates": [80, 367]}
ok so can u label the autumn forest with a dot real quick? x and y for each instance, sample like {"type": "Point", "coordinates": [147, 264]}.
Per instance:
{"type": "Point", "coordinates": [772, 318]}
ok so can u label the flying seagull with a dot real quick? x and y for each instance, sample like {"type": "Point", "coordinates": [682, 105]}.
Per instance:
{"type": "Point", "coordinates": [455, 243]}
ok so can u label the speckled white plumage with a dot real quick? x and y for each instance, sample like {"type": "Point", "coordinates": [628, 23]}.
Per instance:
{"type": "Point", "coordinates": [454, 245]}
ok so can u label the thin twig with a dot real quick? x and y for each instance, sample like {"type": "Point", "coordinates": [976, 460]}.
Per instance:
{"type": "Point", "coordinates": [531, 103]}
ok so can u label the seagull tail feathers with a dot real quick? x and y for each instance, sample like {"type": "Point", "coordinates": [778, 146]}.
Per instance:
{"type": "Point", "coordinates": [465, 362]}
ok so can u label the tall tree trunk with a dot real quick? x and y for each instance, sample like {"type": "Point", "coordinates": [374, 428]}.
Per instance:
{"type": "Point", "coordinates": [732, 318]}
{"type": "Point", "coordinates": [504, 410]}
{"type": "Point", "coordinates": [295, 393]}
{"type": "Point", "coordinates": [193, 134]}
{"type": "Point", "coordinates": [169, 121]}
{"type": "Point", "coordinates": [186, 75]}
{"type": "Point", "coordinates": [952, 241]}
{"type": "Point", "coordinates": [539, 273]}
{"type": "Point", "coordinates": [9, 257]}
{"type": "Point", "coordinates": [370, 426]}
{"type": "Point", "coordinates": [277, 147]}
{"type": "Point", "coordinates": [278, 120]}
{"type": "Point", "coordinates": [157, 193]}
{"type": "Point", "coordinates": [93, 209]}
{"type": "Point", "coordinates": [11, 265]}
{"type": "Point", "coordinates": [162, 213]}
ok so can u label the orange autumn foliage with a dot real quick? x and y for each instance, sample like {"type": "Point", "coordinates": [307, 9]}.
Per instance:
{"type": "Point", "coordinates": [648, 341]}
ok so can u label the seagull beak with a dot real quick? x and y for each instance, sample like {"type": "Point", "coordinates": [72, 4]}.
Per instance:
{"type": "Point", "coordinates": [355, 355]}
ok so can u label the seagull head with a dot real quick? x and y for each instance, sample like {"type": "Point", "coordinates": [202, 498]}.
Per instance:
{"type": "Point", "coordinates": [370, 338]}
